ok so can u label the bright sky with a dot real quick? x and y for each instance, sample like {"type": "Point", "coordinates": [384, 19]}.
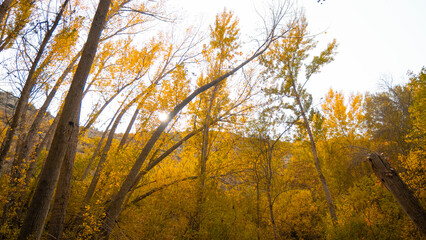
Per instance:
{"type": "Point", "coordinates": [377, 38]}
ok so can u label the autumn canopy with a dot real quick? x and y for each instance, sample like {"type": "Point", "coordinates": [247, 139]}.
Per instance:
{"type": "Point", "coordinates": [125, 122]}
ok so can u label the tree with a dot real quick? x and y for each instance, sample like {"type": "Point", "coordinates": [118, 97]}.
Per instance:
{"type": "Point", "coordinates": [388, 120]}
{"type": "Point", "coordinates": [66, 129]}
{"type": "Point", "coordinates": [284, 62]}
{"type": "Point", "coordinates": [341, 132]}
{"type": "Point", "coordinates": [413, 164]}
{"type": "Point", "coordinates": [5, 5]}
{"type": "Point", "coordinates": [14, 16]}
{"type": "Point", "coordinates": [217, 54]}
{"type": "Point", "coordinates": [113, 209]}
{"type": "Point", "coordinates": [264, 169]}
{"type": "Point", "coordinates": [25, 93]}
{"type": "Point", "coordinates": [390, 178]}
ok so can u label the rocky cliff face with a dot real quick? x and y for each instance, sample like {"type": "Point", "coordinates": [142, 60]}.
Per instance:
{"type": "Point", "coordinates": [7, 104]}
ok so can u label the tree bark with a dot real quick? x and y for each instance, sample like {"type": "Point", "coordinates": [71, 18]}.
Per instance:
{"type": "Point", "coordinates": [57, 218]}
{"type": "Point", "coordinates": [39, 207]}
{"type": "Point", "coordinates": [18, 122]}
{"type": "Point", "coordinates": [390, 178]}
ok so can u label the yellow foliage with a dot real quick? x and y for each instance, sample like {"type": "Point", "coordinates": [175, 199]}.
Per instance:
{"type": "Point", "coordinates": [343, 120]}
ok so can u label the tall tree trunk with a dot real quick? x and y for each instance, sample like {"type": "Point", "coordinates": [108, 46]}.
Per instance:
{"type": "Point", "coordinates": [62, 193]}
{"type": "Point", "coordinates": [26, 90]}
{"type": "Point", "coordinates": [39, 207]}
{"type": "Point", "coordinates": [324, 184]}
{"type": "Point", "coordinates": [18, 122]}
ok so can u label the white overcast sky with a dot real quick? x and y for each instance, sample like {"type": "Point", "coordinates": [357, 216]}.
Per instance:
{"type": "Point", "coordinates": [377, 38]}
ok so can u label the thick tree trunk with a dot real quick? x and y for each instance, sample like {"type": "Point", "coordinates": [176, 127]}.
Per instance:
{"type": "Point", "coordinates": [26, 90]}
{"type": "Point", "coordinates": [390, 178]}
{"type": "Point", "coordinates": [62, 193]}
{"type": "Point", "coordinates": [39, 207]}
{"type": "Point", "coordinates": [18, 122]}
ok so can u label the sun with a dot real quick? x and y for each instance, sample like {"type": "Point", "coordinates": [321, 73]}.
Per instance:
{"type": "Point", "coordinates": [163, 116]}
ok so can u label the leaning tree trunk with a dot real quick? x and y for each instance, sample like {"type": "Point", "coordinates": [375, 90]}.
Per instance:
{"type": "Point", "coordinates": [96, 152]}
{"type": "Point", "coordinates": [32, 227]}
{"type": "Point", "coordinates": [324, 184]}
{"type": "Point", "coordinates": [62, 193]}
{"type": "Point", "coordinates": [18, 121]}
{"type": "Point", "coordinates": [390, 178]}
{"type": "Point", "coordinates": [26, 90]}
{"type": "Point", "coordinates": [104, 155]}
{"type": "Point", "coordinates": [45, 143]}
{"type": "Point", "coordinates": [27, 145]}
{"type": "Point", "coordinates": [129, 127]}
